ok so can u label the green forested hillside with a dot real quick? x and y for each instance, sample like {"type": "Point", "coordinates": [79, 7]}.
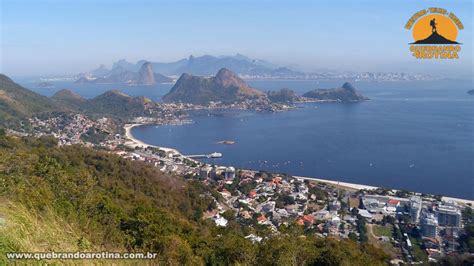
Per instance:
{"type": "Point", "coordinates": [69, 98]}
{"type": "Point", "coordinates": [17, 102]}
{"type": "Point", "coordinates": [116, 104]}
{"type": "Point", "coordinates": [74, 198]}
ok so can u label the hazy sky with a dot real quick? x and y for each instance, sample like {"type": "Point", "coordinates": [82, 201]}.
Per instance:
{"type": "Point", "coordinates": [61, 37]}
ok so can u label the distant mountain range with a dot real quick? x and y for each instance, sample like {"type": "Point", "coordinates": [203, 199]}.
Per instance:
{"type": "Point", "coordinates": [125, 72]}
{"type": "Point", "coordinates": [119, 74]}
{"type": "Point", "coordinates": [208, 65]}
{"type": "Point", "coordinates": [226, 86]}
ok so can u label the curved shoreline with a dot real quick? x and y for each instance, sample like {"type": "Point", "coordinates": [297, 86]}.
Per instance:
{"type": "Point", "coordinates": [134, 142]}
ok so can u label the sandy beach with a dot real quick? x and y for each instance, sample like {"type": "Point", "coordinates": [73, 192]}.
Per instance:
{"type": "Point", "coordinates": [133, 142]}
{"type": "Point", "coordinates": [339, 183]}
{"type": "Point", "coordinates": [367, 187]}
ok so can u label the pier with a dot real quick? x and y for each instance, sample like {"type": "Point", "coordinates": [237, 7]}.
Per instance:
{"type": "Point", "coordinates": [210, 155]}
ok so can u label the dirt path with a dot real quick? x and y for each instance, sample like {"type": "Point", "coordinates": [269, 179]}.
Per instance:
{"type": "Point", "coordinates": [385, 246]}
{"type": "Point", "coordinates": [371, 232]}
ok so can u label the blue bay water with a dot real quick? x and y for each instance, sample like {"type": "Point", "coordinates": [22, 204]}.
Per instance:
{"type": "Point", "coordinates": [417, 136]}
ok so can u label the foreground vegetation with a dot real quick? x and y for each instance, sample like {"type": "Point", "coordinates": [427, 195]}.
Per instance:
{"type": "Point", "coordinates": [78, 199]}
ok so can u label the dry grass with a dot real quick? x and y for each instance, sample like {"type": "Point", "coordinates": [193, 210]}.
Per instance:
{"type": "Point", "coordinates": [30, 232]}
{"type": "Point", "coordinates": [24, 231]}
{"type": "Point", "coordinates": [353, 202]}
{"type": "Point", "coordinates": [380, 230]}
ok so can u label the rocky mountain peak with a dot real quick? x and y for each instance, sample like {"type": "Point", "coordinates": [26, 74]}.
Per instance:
{"type": "Point", "coordinates": [145, 74]}
{"type": "Point", "coordinates": [226, 86]}
{"type": "Point", "coordinates": [349, 87]}
{"type": "Point", "coordinates": [228, 78]}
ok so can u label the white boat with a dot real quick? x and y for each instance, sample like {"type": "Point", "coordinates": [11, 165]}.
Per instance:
{"type": "Point", "coordinates": [215, 155]}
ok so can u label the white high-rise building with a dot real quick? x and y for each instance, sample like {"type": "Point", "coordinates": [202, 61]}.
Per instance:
{"type": "Point", "coordinates": [229, 173]}
{"type": "Point", "coordinates": [205, 171]}
{"type": "Point", "coordinates": [415, 208]}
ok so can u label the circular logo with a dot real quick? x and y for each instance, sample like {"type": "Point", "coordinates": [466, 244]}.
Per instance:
{"type": "Point", "coordinates": [435, 29]}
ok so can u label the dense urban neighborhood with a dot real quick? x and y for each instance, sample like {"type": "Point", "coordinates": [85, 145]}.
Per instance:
{"type": "Point", "coordinates": [411, 227]}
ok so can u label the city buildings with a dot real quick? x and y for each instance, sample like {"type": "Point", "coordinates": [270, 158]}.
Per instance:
{"type": "Point", "coordinates": [205, 171]}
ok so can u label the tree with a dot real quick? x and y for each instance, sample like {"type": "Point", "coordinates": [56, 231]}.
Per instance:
{"type": "Point", "coordinates": [352, 236]}
{"type": "Point", "coordinates": [233, 249]}
{"type": "Point", "coordinates": [229, 215]}
{"type": "Point", "coordinates": [354, 212]}
{"type": "Point", "coordinates": [388, 219]}
{"type": "Point", "coordinates": [361, 228]}
{"type": "Point", "coordinates": [466, 240]}
{"type": "Point", "coordinates": [468, 215]}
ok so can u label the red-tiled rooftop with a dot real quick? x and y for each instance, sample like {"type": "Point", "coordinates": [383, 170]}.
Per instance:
{"type": "Point", "coordinates": [253, 194]}
{"type": "Point", "coordinates": [308, 218]}
{"type": "Point", "coordinates": [393, 201]}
